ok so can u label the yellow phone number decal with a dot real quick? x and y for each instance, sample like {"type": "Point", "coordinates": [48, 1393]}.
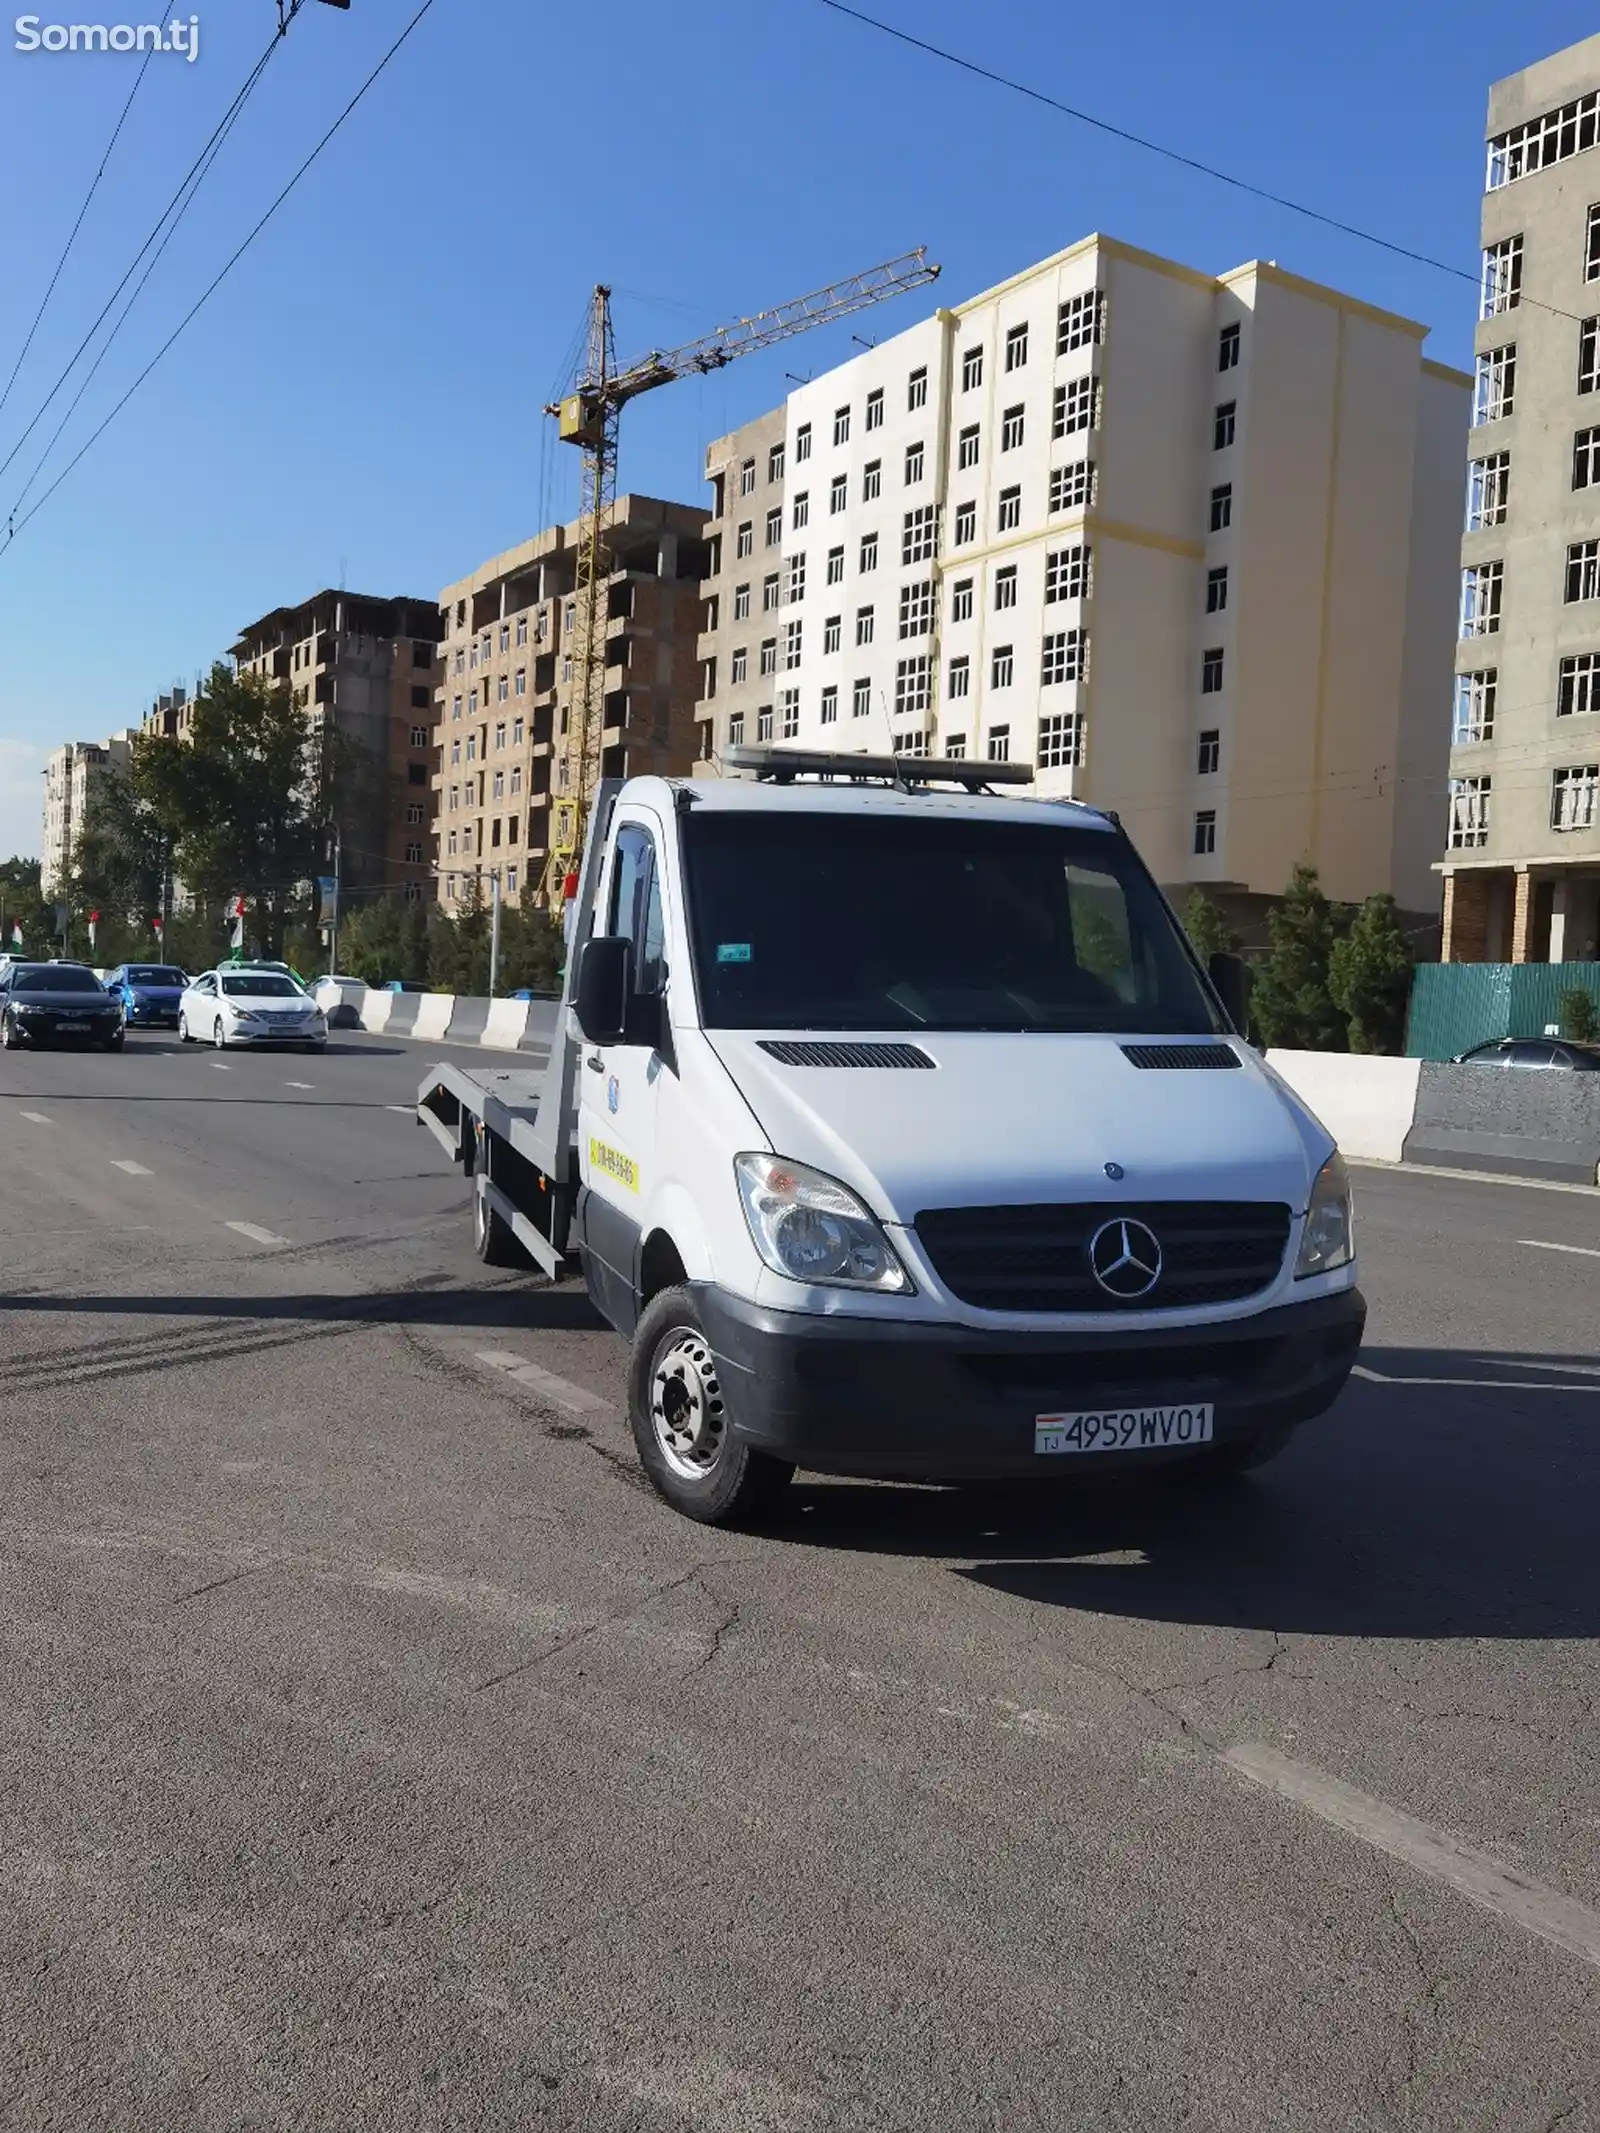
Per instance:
{"type": "Point", "coordinates": [614, 1163]}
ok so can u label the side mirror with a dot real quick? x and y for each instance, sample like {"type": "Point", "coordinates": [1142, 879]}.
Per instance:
{"type": "Point", "coordinates": [605, 978]}
{"type": "Point", "coordinates": [1231, 977]}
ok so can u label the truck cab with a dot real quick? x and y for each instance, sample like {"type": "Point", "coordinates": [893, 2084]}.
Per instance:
{"type": "Point", "coordinates": [909, 1138]}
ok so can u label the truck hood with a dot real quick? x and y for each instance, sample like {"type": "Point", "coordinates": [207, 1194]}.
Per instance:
{"type": "Point", "coordinates": [1005, 1119]}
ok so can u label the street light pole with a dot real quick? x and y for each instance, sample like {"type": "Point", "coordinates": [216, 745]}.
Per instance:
{"type": "Point", "coordinates": [494, 928]}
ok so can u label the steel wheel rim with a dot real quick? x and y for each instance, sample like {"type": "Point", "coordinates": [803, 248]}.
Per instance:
{"type": "Point", "coordinates": [687, 1414]}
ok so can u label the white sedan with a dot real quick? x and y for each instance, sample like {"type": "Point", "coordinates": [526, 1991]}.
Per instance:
{"type": "Point", "coordinates": [230, 1006]}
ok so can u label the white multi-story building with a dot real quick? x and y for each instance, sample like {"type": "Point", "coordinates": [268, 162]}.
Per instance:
{"type": "Point", "coordinates": [71, 773]}
{"type": "Point", "coordinates": [1186, 543]}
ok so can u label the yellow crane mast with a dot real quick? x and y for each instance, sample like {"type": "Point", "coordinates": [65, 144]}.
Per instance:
{"type": "Point", "coordinates": [588, 416]}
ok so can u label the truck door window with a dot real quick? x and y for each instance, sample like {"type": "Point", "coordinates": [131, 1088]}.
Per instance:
{"type": "Point", "coordinates": [636, 906]}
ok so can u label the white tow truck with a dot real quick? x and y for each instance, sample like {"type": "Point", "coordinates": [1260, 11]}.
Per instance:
{"type": "Point", "coordinates": [893, 1121]}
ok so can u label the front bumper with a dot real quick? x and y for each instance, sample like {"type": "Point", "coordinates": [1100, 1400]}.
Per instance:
{"type": "Point", "coordinates": [151, 1014]}
{"type": "Point", "coordinates": [890, 1398]}
{"type": "Point", "coordinates": [243, 1035]}
{"type": "Point", "coordinates": [66, 1029]}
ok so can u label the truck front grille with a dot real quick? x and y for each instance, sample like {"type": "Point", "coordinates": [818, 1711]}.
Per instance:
{"type": "Point", "coordinates": [1037, 1258]}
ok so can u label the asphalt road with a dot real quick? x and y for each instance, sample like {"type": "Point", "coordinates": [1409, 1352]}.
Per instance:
{"type": "Point", "coordinates": [376, 1752]}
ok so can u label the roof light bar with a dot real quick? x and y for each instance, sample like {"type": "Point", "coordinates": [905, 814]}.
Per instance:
{"type": "Point", "coordinates": [782, 766]}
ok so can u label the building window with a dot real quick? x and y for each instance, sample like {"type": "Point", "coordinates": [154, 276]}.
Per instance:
{"type": "Point", "coordinates": [1583, 573]}
{"type": "Point", "coordinates": [516, 779]}
{"type": "Point", "coordinates": [967, 447]}
{"type": "Point", "coordinates": [800, 516]}
{"type": "Point", "coordinates": [789, 713]}
{"type": "Point", "coordinates": [841, 425]}
{"type": "Point", "coordinates": [1066, 574]}
{"type": "Point", "coordinates": [1537, 143]}
{"type": "Point", "coordinates": [860, 698]}
{"type": "Point", "coordinates": [919, 535]}
{"type": "Point", "coordinates": [832, 630]}
{"type": "Point", "coordinates": [863, 625]}
{"type": "Point", "coordinates": [971, 370]}
{"type": "Point", "coordinates": [1072, 486]}
{"type": "Point", "coordinates": [1205, 833]}
{"type": "Point", "coordinates": [1577, 689]}
{"type": "Point", "coordinates": [1016, 347]}
{"type": "Point", "coordinates": [747, 478]}
{"type": "Point", "coordinates": [505, 636]}
{"type": "Point", "coordinates": [1010, 510]}
{"type": "Point", "coordinates": [1005, 587]}
{"type": "Point", "coordinates": [916, 609]}
{"type": "Point", "coordinates": [1060, 745]}
{"type": "Point", "coordinates": [1495, 388]}
{"type": "Point", "coordinates": [914, 464]}
{"type": "Point", "coordinates": [516, 732]}
{"type": "Point", "coordinates": [1481, 585]}
{"type": "Point", "coordinates": [419, 736]}
{"type": "Point", "coordinates": [511, 872]}
{"type": "Point", "coordinates": [1211, 671]}
{"type": "Point", "coordinates": [838, 493]}
{"type": "Point", "coordinates": [522, 629]}
{"type": "Point", "coordinates": [1469, 812]}
{"type": "Point", "coordinates": [875, 409]}
{"type": "Point", "coordinates": [1209, 759]}
{"type": "Point", "coordinates": [1588, 354]}
{"type": "Point", "coordinates": [461, 660]}
{"type": "Point", "coordinates": [1222, 425]}
{"type": "Point", "coordinates": [802, 444]}
{"type": "Point", "coordinates": [955, 744]}
{"type": "Point", "coordinates": [502, 688]}
{"type": "Point", "coordinates": [1217, 589]}
{"type": "Point", "coordinates": [736, 730]}
{"type": "Point", "coordinates": [961, 601]}
{"type": "Point", "coordinates": [764, 723]}
{"type": "Point", "coordinates": [744, 540]}
{"type": "Point", "coordinates": [1473, 717]}
{"type": "Point", "coordinates": [739, 663]}
{"type": "Point", "coordinates": [916, 390]}
{"type": "Point", "coordinates": [869, 551]}
{"type": "Point", "coordinates": [769, 594]}
{"type": "Point", "coordinates": [775, 461]}
{"type": "Point", "coordinates": [835, 570]}
{"type": "Point", "coordinates": [1011, 429]}
{"type": "Point", "coordinates": [472, 703]}
{"type": "Point", "coordinates": [1228, 348]}
{"type": "Point", "coordinates": [414, 811]}
{"type": "Point", "coordinates": [1585, 460]}
{"type": "Point", "coordinates": [768, 662]}
{"type": "Point", "coordinates": [911, 743]}
{"type": "Point", "coordinates": [797, 578]}
{"type": "Point", "coordinates": [1502, 275]}
{"type": "Point", "coordinates": [741, 603]}
{"type": "Point", "coordinates": [455, 707]}
{"type": "Point", "coordinates": [1079, 321]}
{"type": "Point", "coordinates": [775, 526]}
{"type": "Point", "coordinates": [522, 684]}
{"type": "Point", "coordinates": [998, 745]}
{"type": "Point", "coordinates": [455, 798]}
{"type": "Point", "coordinates": [872, 481]}
{"type": "Point", "coordinates": [1489, 486]}
{"type": "Point", "coordinates": [1222, 507]}
{"type": "Point", "coordinates": [830, 705]}
{"type": "Point", "coordinates": [1002, 667]}
{"type": "Point", "coordinates": [966, 525]}
{"type": "Point", "coordinates": [791, 645]}
{"type": "Point", "coordinates": [959, 679]}
{"type": "Point", "coordinates": [472, 656]}
{"type": "Point", "coordinates": [500, 733]}
{"type": "Point", "coordinates": [472, 747]}
{"type": "Point", "coordinates": [1076, 406]}
{"type": "Point", "coordinates": [1063, 656]}
{"type": "Point", "coordinates": [499, 785]}
{"type": "Point", "coordinates": [911, 685]}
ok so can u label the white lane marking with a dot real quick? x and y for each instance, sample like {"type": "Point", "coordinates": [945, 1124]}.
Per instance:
{"type": "Point", "coordinates": [221, 1069]}
{"type": "Point", "coordinates": [256, 1233]}
{"type": "Point", "coordinates": [1382, 1377]}
{"type": "Point", "coordinates": [299, 1084]}
{"type": "Point", "coordinates": [405, 1109]}
{"type": "Point", "coordinates": [134, 1170]}
{"type": "Point", "coordinates": [1543, 1244]}
{"type": "Point", "coordinates": [1556, 1918]}
{"type": "Point", "coordinates": [574, 1398]}
{"type": "Point", "coordinates": [37, 1118]}
{"type": "Point", "coordinates": [1467, 1177]}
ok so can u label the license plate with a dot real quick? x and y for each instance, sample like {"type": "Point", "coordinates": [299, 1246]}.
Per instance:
{"type": "Point", "coordinates": [73, 1029]}
{"type": "Point", "coordinates": [1123, 1429]}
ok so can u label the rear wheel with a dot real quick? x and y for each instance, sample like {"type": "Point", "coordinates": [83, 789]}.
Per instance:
{"type": "Point", "coordinates": [681, 1424]}
{"type": "Point", "coordinates": [493, 1238]}
{"type": "Point", "coordinates": [8, 1034]}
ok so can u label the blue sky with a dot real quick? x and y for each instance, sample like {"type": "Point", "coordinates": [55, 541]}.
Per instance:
{"type": "Point", "coordinates": [360, 402]}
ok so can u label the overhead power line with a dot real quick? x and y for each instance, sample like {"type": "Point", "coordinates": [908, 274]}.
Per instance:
{"type": "Point", "coordinates": [218, 279]}
{"type": "Point", "coordinates": [72, 234]}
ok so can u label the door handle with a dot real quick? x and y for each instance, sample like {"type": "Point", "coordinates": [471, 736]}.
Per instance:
{"type": "Point", "coordinates": [596, 1062]}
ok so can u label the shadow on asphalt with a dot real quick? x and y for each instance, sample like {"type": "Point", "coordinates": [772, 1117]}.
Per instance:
{"type": "Point", "coordinates": [1411, 1510]}
{"type": "Point", "coordinates": [513, 1306]}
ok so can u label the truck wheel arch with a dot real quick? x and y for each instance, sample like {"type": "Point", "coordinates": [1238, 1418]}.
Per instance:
{"type": "Point", "coordinates": [660, 1266]}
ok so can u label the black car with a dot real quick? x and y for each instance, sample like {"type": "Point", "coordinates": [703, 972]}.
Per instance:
{"type": "Point", "coordinates": [57, 1003]}
{"type": "Point", "coordinates": [1540, 1053]}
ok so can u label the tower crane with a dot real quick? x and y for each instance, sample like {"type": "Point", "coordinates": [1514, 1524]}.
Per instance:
{"type": "Point", "coordinates": [588, 416]}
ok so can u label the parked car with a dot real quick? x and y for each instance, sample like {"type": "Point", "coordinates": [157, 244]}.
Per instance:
{"type": "Point", "coordinates": [50, 1003]}
{"type": "Point", "coordinates": [1540, 1053]}
{"type": "Point", "coordinates": [148, 992]}
{"type": "Point", "coordinates": [238, 1004]}
{"type": "Point", "coordinates": [402, 985]}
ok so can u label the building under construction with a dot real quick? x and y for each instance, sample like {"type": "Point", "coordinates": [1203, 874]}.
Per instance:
{"type": "Point", "coordinates": [510, 755]}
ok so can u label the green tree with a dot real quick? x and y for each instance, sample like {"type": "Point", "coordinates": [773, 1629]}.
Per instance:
{"type": "Point", "coordinates": [1580, 1017]}
{"type": "Point", "coordinates": [1208, 931]}
{"type": "Point", "coordinates": [458, 948]}
{"type": "Point", "coordinates": [22, 904]}
{"type": "Point", "coordinates": [1290, 1000]}
{"type": "Point", "coordinates": [383, 939]}
{"type": "Point", "coordinates": [1369, 976]}
{"type": "Point", "coordinates": [122, 861]}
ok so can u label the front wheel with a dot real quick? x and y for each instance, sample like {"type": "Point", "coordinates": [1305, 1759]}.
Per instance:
{"type": "Point", "coordinates": [183, 1030]}
{"type": "Point", "coordinates": [681, 1424]}
{"type": "Point", "coordinates": [8, 1034]}
{"type": "Point", "coordinates": [493, 1238]}
{"type": "Point", "coordinates": [217, 1037]}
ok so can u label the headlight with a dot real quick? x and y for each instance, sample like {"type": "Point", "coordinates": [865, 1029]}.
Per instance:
{"type": "Point", "coordinates": [243, 1014]}
{"type": "Point", "coordinates": [1328, 1239]}
{"type": "Point", "coordinates": [812, 1228]}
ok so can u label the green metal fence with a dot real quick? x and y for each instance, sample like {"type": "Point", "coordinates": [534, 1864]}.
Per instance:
{"type": "Point", "coordinates": [1457, 1005]}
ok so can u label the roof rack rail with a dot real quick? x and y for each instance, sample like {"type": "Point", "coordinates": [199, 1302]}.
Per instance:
{"type": "Point", "coordinates": [783, 765]}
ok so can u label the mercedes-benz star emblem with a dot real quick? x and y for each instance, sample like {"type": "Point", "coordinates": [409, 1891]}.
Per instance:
{"type": "Point", "coordinates": [1125, 1259]}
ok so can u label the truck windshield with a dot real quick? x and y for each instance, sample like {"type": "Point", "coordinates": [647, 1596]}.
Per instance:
{"type": "Point", "coordinates": [855, 922]}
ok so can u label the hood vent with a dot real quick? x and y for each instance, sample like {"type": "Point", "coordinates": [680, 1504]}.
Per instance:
{"type": "Point", "coordinates": [1180, 1055]}
{"type": "Point", "coordinates": [790, 1053]}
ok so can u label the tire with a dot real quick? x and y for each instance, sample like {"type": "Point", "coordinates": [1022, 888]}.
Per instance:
{"type": "Point", "coordinates": [681, 1425]}
{"type": "Point", "coordinates": [217, 1037]}
{"type": "Point", "coordinates": [493, 1238]}
{"type": "Point", "coordinates": [183, 1031]}
{"type": "Point", "coordinates": [9, 1040]}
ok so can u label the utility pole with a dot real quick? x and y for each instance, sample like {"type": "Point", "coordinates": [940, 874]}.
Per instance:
{"type": "Point", "coordinates": [333, 921]}
{"type": "Point", "coordinates": [494, 928]}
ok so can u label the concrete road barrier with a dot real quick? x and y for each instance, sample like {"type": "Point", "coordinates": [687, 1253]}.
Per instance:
{"type": "Point", "coordinates": [376, 1009]}
{"type": "Point", "coordinates": [1526, 1123]}
{"type": "Point", "coordinates": [468, 1019]}
{"type": "Point", "coordinates": [505, 1024]}
{"type": "Point", "coordinates": [1367, 1103]}
{"type": "Point", "coordinates": [432, 1019]}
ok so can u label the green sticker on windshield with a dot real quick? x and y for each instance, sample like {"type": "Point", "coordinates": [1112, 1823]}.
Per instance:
{"type": "Point", "coordinates": [733, 951]}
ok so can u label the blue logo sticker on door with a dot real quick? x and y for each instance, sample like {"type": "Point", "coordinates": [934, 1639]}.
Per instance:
{"type": "Point", "coordinates": [613, 1093]}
